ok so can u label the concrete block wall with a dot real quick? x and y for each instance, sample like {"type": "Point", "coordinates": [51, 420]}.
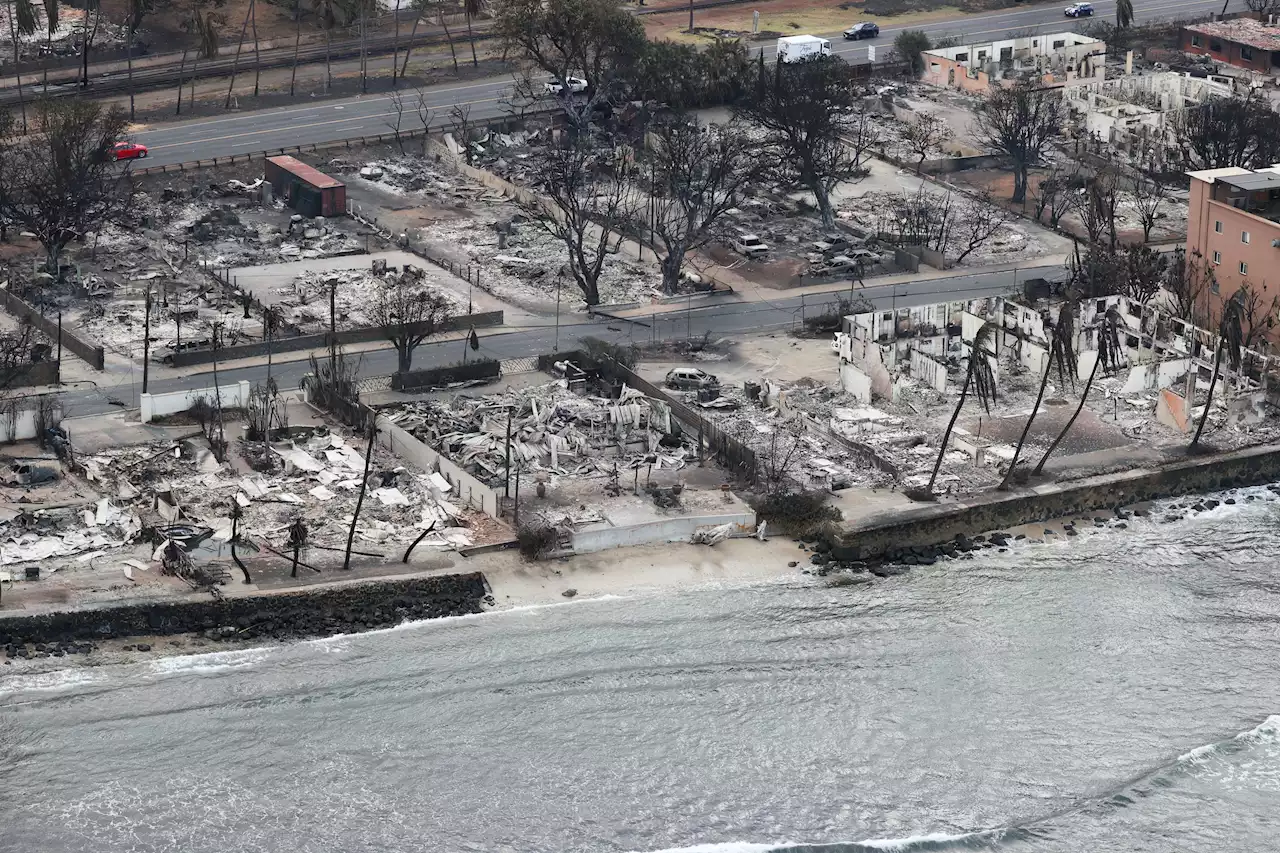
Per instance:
{"type": "Point", "coordinates": [467, 490]}
{"type": "Point", "coordinates": [171, 403]}
{"type": "Point", "coordinates": [677, 529]}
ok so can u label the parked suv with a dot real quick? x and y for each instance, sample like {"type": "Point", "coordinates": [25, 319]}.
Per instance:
{"type": "Point", "coordinates": [865, 30]}
{"type": "Point", "coordinates": [691, 379]}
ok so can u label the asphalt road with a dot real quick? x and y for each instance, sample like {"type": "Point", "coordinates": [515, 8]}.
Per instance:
{"type": "Point", "coordinates": [721, 319]}
{"type": "Point", "coordinates": [252, 132]}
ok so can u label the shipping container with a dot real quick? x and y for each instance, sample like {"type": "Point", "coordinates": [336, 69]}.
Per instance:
{"type": "Point", "coordinates": [307, 190]}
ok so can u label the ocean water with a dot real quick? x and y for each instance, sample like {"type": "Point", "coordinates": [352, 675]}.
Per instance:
{"type": "Point", "coordinates": [1117, 692]}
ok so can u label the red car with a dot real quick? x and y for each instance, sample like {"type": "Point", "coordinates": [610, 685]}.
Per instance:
{"type": "Point", "coordinates": [128, 151]}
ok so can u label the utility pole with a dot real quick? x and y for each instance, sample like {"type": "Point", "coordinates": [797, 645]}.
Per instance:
{"type": "Point", "coordinates": [555, 347]}
{"type": "Point", "coordinates": [506, 490]}
{"type": "Point", "coordinates": [146, 339]}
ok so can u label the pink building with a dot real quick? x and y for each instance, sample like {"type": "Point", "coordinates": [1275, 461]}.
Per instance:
{"type": "Point", "coordinates": [1234, 224]}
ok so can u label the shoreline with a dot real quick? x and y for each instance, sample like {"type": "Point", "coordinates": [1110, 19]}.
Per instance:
{"type": "Point", "coordinates": [513, 584]}
{"type": "Point", "coordinates": [657, 569]}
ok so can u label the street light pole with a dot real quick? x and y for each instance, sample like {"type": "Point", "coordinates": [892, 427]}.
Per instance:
{"type": "Point", "coordinates": [555, 347]}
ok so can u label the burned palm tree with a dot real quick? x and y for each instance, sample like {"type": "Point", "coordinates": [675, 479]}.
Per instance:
{"type": "Point", "coordinates": [1108, 360]}
{"type": "Point", "coordinates": [297, 541]}
{"type": "Point", "coordinates": [980, 379]}
{"type": "Point", "coordinates": [471, 8]}
{"type": "Point", "coordinates": [237, 513]}
{"type": "Point", "coordinates": [1062, 352]}
{"type": "Point", "coordinates": [1230, 344]}
{"type": "Point", "coordinates": [364, 486]}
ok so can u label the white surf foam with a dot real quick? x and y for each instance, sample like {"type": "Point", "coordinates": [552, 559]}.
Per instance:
{"type": "Point", "coordinates": [209, 662]}
{"type": "Point", "coordinates": [725, 847]}
{"type": "Point", "coordinates": [58, 679]}
{"type": "Point", "coordinates": [915, 840]}
{"type": "Point", "coordinates": [1266, 731]}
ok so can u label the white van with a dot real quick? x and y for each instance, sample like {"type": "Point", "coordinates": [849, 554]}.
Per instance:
{"type": "Point", "coordinates": [802, 48]}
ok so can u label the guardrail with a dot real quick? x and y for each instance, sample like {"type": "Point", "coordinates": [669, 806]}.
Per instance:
{"type": "Point", "coordinates": [170, 74]}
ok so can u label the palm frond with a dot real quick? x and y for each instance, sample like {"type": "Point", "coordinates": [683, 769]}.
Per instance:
{"type": "Point", "coordinates": [983, 384]}
{"type": "Point", "coordinates": [1062, 344]}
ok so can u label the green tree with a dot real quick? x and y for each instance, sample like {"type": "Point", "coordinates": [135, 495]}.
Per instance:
{"type": "Point", "coordinates": [1230, 344]}
{"type": "Point", "coordinates": [979, 378]}
{"type": "Point", "coordinates": [911, 45]}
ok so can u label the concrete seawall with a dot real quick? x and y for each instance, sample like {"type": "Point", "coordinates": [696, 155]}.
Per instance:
{"type": "Point", "coordinates": [926, 525]}
{"type": "Point", "coordinates": [314, 612]}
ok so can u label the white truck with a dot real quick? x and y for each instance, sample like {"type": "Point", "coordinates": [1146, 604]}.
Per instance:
{"type": "Point", "coordinates": [802, 48]}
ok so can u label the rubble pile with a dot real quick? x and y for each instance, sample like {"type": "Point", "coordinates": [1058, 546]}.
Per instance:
{"type": "Point", "coordinates": [116, 319]}
{"type": "Point", "coordinates": [305, 302]}
{"type": "Point", "coordinates": [517, 259]}
{"type": "Point", "coordinates": [320, 483]}
{"type": "Point", "coordinates": [417, 176]}
{"type": "Point", "coordinates": [783, 424]}
{"type": "Point", "coordinates": [67, 38]}
{"type": "Point", "coordinates": [167, 492]}
{"type": "Point", "coordinates": [868, 213]}
{"type": "Point", "coordinates": [554, 432]}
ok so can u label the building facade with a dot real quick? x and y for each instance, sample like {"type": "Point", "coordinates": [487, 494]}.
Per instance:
{"type": "Point", "coordinates": [1241, 42]}
{"type": "Point", "coordinates": [1233, 226]}
{"type": "Point", "coordinates": [1056, 59]}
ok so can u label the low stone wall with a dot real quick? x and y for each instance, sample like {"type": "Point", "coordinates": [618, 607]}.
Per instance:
{"type": "Point", "coordinates": [320, 611]}
{"type": "Point", "coordinates": [927, 525]}
{"type": "Point", "coordinates": [16, 307]}
{"type": "Point", "coordinates": [434, 377]}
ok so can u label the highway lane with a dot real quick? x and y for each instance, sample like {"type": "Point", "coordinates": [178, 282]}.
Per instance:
{"type": "Point", "coordinates": [326, 121]}
{"type": "Point", "coordinates": [721, 319]}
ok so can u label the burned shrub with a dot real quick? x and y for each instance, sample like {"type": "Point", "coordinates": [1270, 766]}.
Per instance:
{"type": "Point", "coordinates": [536, 541]}
{"type": "Point", "coordinates": [800, 514]}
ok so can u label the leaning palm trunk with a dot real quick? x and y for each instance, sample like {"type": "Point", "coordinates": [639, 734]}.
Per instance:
{"type": "Point", "coordinates": [297, 41]}
{"type": "Point", "coordinates": [13, 36]}
{"type": "Point", "coordinates": [1022, 439]}
{"type": "Point", "coordinates": [955, 415]}
{"type": "Point", "coordinates": [364, 485]}
{"type": "Point", "coordinates": [471, 37]}
{"type": "Point", "coordinates": [409, 47]}
{"type": "Point", "coordinates": [395, 47]}
{"type": "Point", "coordinates": [1213, 381]}
{"type": "Point", "coordinates": [182, 80]}
{"type": "Point", "coordinates": [257, 50]}
{"type": "Point", "coordinates": [1066, 429]}
{"type": "Point", "coordinates": [448, 36]}
{"type": "Point", "coordinates": [235, 65]}
{"type": "Point", "coordinates": [129, 59]}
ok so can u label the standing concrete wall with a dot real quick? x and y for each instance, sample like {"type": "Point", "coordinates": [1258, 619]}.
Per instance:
{"type": "Point", "coordinates": [677, 529]}
{"type": "Point", "coordinates": [467, 490]}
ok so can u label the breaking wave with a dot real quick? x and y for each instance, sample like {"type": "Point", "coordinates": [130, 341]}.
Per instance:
{"type": "Point", "coordinates": [1266, 732]}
